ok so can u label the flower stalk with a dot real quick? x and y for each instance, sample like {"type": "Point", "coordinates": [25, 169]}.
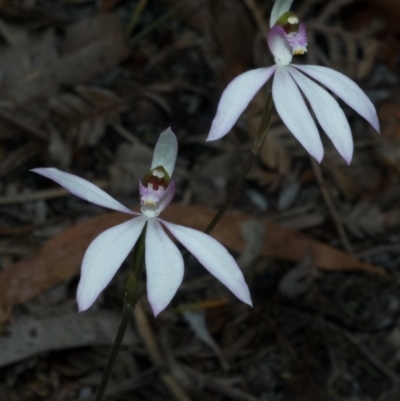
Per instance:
{"type": "Point", "coordinates": [132, 296]}
{"type": "Point", "coordinates": [251, 159]}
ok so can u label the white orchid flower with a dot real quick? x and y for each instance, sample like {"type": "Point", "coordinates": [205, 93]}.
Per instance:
{"type": "Point", "coordinates": [164, 262]}
{"type": "Point", "coordinates": [286, 38]}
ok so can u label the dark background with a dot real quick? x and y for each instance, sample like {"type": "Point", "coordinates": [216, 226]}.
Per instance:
{"type": "Point", "coordinates": [87, 86]}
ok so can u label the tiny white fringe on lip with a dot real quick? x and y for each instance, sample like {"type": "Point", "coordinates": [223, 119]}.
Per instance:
{"type": "Point", "coordinates": [298, 41]}
{"type": "Point", "coordinates": [150, 196]}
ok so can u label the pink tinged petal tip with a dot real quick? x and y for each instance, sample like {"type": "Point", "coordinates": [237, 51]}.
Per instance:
{"type": "Point", "coordinates": [165, 152]}
{"type": "Point", "coordinates": [236, 98]}
{"type": "Point", "coordinates": [346, 89]}
{"type": "Point", "coordinates": [279, 45]}
{"type": "Point", "coordinates": [164, 267]}
{"type": "Point", "coordinates": [214, 257]}
{"type": "Point", "coordinates": [104, 257]}
{"type": "Point", "coordinates": [329, 114]}
{"type": "Point", "coordinates": [154, 201]}
{"type": "Point", "coordinates": [83, 189]}
{"type": "Point", "coordinates": [280, 7]}
{"type": "Point", "coordinates": [293, 111]}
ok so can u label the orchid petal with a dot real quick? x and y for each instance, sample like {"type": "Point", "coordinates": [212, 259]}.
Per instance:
{"type": "Point", "coordinates": [345, 89]}
{"type": "Point", "coordinates": [279, 45]}
{"type": "Point", "coordinates": [164, 267]}
{"type": "Point", "coordinates": [165, 151]}
{"type": "Point", "coordinates": [280, 7]}
{"type": "Point", "coordinates": [104, 257]}
{"type": "Point", "coordinates": [236, 98]}
{"type": "Point", "coordinates": [294, 113]}
{"type": "Point", "coordinates": [329, 114]}
{"type": "Point", "coordinates": [83, 189]}
{"type": "Point", "coordinates": [214, 257]}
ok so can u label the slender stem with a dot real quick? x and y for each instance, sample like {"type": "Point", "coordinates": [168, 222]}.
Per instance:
{"type": "Point", "coordinates": [158, 22]}
{"type": "Point", "coordinates": [132, 296]}
{"type": "Point", "coordinates": [251, 158]}
{"type": "Point", "coordinates": [126, 315]}
{"type": "Point", "coordinates": [136, 15]}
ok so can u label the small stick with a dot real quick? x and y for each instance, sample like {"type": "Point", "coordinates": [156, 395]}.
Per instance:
{"type": "Point", "coordinates": [45, 194]}
{"type": "Point", "coordinates": [331, 207]}
{"type": "Point", "coordinates": [143, 326]}
{"type": "Point", "coordinates": [258, 17]}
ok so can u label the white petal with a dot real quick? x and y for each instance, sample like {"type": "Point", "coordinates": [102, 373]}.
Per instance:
{"type": "Point", "coordinates": [83, 189]}
{"type": "Point", "coordinates": [329, 114]}
{"type": "Point", "coordinates": [345, 89]}
{"type": "Point", "coordinates": [164, 267]}
{"type": "Point", "coordinates": [235, 99]}
{"type": "Point", "coordinates": [214, 257]}
{"type": "Point", "coordinates": [104, 257]}
{"type": "Point", "coordinates": [280, 7]}
{"type": "Point", "coordinates": [293, 111]}
{"type": "Point", "coordinates": [165, 151]}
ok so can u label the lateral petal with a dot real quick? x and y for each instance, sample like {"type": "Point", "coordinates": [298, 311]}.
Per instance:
{"type": "Point", "coordinates": [83, 189]}
{"type": "Point", "coordinates": [345, 89]}
{"type": "Point", "coordinates": [293, 111]}
{"type": "Point", "coordinates": [104, 257]}
{"type": "Point", "coordinates": [214, 257]}
{"type": "Point", "coordinates": [235, 99]}
{"type": "Point", "coordinates": [329, 114]}
{"type": "Point", "coordinates": [164, 267]}
{"type": "Point", "coordinates": [165, 151]}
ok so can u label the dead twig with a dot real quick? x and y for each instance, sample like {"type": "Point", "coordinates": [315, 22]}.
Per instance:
{"type": "Point", "coordinates": [23, 126]}
{"type": "Point", "coordinates": [18, 157]}
{"type": "Point", "coordinates": [331, 207]}
{"type": "Point", "coordinates": [218, 386]}
{"type": "Point", "coordinates": [148, 338]}
{"type": "Point", "coordinates": [258, 17]}
{"type": "Point", "coordinates": [44, 194]}
{"type": "Point", "coordinates": [371, 358]}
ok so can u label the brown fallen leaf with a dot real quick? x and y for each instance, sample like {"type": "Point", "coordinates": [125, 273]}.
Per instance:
{"type": "Point", "coordinates": [29, 336]}
{"type": "Point", "coordinates": [61, 257]}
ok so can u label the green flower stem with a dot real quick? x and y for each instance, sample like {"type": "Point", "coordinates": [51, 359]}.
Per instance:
{"type": "Point", "coordinates": [132, 296]}
{"type": "Point", "coordinates": [251, 158]}
{"type": "Point", "coordinates": [156, 24]}
{"type": "Point", "coordinates": [136, 15]}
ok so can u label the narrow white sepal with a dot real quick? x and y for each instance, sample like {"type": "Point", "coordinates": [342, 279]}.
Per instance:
{"type": "Point", "coordinates": [280, 7]}
{"type": "Point", "coordinates": [164, 267]}
{"type": "Point", "coordinates": [214, 257]}
{"type": "Point", "coordinates": [293, 111]}
{"type": "Point", "coordinates": [165, 152]}
{"type": "Point", "coordinates": [345, 89]}
{"type": "Point", "coordinates": [104, 257]}
{"type": "Point", "coordinates": [236, 98]}
{"type": "Point", "coordinates": [329, 114]}
{"type": "Point", "coordinates": [83, 189]}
